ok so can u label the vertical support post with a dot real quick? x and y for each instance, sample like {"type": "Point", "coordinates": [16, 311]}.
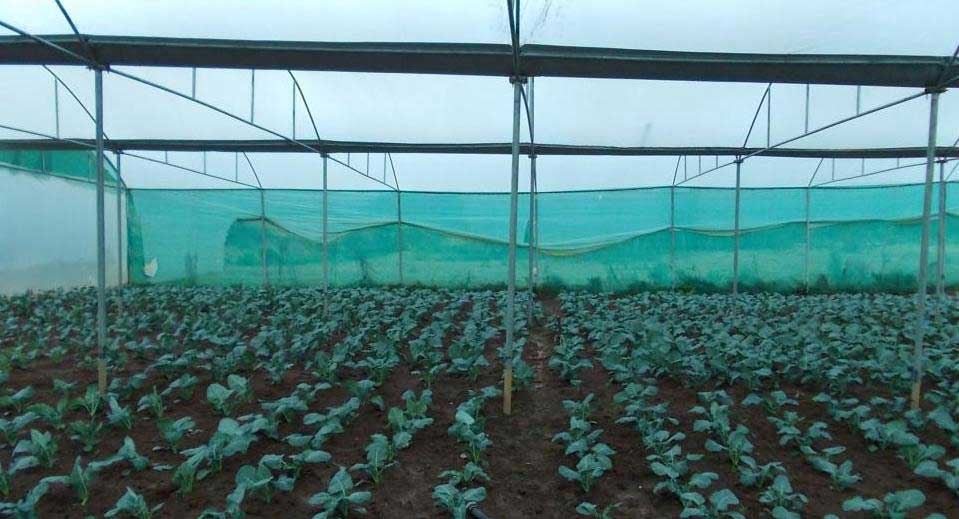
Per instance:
{"type": "Point", "coordinates": [193, 84]}
{"type": "Point", "coordinates": [920, 331]}
{"type": "Point", "coordinates": [119, 224]}
{"type": "Point", "coordinates": [941, 235]}
{"type": "Point", "coordinates": [806, 125]}
{"type": "Point", "coordinates": [266, 269]}
{"type": "Point", "coordinates": [531, 248]}
{"type": "Point", "coordinates": [672, 235]}
{"type": "Point", "coordinates": [739, 164]}
{"type": "Point", "coordinates": [399, 230]}
{"type": "Point", "coordinates": [56, 106]}
{"type": "Point", "coordinates": [326, 263]}
{"type": "Point", "coordinates": [511, 262]}
{"type": "Point", "coordinates": [808, 236]}
{"type": "Point", "coordinates": [252, 92]}
{"type": "Point", "coordinates": [294, 110]}
{"type": "Point", "coordinates": [101, 242]}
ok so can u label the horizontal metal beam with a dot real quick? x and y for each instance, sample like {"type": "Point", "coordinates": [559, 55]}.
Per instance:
{"type": "Point", "coordinates": [487, 60]}
{"type": "Point", "coordinates": [282, 146]}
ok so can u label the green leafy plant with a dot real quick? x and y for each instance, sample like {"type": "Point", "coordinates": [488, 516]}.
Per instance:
{"type": "Point", "coordinates": [26, 507]}
{"type": "Point", "coordinates": [132, 504]}
{"type": "Point", "coordinates": [894, 505]}
{"type": "Point", "coordinates": [18, 400]}
{"type": "Point", "coordinates": [151, 402]}
{"type": "Point", "coordinates": [79, 480]}
{"type": "Point", "coordinates": [119, 416]}
{"type": "Point", "coordinates": [86, 433]}
{"type": "Point", "coordinates": [590, 510]}
{"type": "Point", "coordinates": [589, 468]}
{"type": "Point", "coordinates": [90, 401]}
{"type": "Point", "coordinates": [457, 501]}
{"type": "Point", "coordinates": [174, 430]}
{"type": "Point", "coordinates": [379, 456]}
{"type": "Point", "coordinates": [721, 504]}
{"type": "Point", "coordinates": [41, 447]}
{"type": "Point", "coordinates": [10, 429]}
{"type": "Point", "coordinates": [339, 498]}
{"type": "Point", "coordinates": [781, 501]}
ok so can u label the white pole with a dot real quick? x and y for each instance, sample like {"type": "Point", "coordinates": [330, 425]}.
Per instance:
{"type": "Point", "coordinates": [119, 224]}
{"type": "Point", "coordinates": [326, 263]}
{"type": "Point", "coordinates": [511, 266]}
{"type": "Point", "coordinates": [917, 368]}
{"type": "Point", "coordinates": [941, 244]}
{"type": "Point", "coordinates": [101, 242]}
{"type": "Point", "coordinates": [739, 163]}
{"type": "Point", "coordinates": [399, 230]}
{"type": "Point", "coordinates": [266, 271]}
{"type": "Point", "coordinates": [672, 236]}
{"type": "Point", "coordinates": [806, 248]}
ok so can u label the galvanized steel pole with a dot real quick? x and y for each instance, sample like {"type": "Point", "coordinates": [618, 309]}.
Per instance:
{"type": "Point", "coordinates": [101, 242]}
{"type": "Point", "coordinates": [941, 242]}
{"type": "Point", "coordinates": [531, 246]}
{"type": "Point", "coordinates": [399, 231]}
{"type": "Point", "coordinates": [739, 163]}
{"type": "Point", "coordinates": [263, 261]}
{"type": "Point", "coordinates": [119, 224]}
{"type": "Point", "coordinates": [806, 247]}
{"type": "Point", "coordinates": [672, 226]}
{"type": "Point", "coordinates": [326, 264]}
{"type": "Point", "coordinates": [511, 265]}
{"type": "Point", "coordinates": [920, 331]}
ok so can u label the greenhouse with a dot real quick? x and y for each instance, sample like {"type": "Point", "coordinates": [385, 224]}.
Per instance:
{"type": "Point", "coordinates": [435, 259]}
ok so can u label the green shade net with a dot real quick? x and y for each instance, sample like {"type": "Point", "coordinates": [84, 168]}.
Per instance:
{"type": "Point", "coordinates": [859, 239]}
{"type": "Point", "coordinates": [73, 165]}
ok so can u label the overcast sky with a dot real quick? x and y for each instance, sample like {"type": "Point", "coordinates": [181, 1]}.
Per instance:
{"type": "Point", "coordinates": [407, 108]}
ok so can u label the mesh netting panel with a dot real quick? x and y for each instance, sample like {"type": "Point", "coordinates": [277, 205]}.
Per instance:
{"type": "Point", "coordinates": [858, 238]}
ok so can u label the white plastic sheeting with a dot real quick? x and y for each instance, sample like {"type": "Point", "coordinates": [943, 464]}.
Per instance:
{"type": "Point", "coordinates": [48, 236]}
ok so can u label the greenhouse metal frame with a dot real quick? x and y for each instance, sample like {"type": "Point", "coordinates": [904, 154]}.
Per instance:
{"type": "Point", "coordinates": [520, 64]}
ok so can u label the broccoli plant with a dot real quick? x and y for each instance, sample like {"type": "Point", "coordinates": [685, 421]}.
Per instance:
{"type": "Point", "coordinates": [133, 505]}
{"type": "Point", "coordinates": [53, 415]}
{"type": "Point", "coordinates": [119, 416]}
{"type": "Point", "coordinates": [18, 400]}
{"type": "Point", "coordinates": [41, 448]}
{"type": "Point", "coordinates": [895, 505]}
{"type": "Point", "coordinates": [589, 468]}
{"type": "Point", "coordinates": [151, 402]}
{"type": "Point", "coordinates": [948, 475]}
{"type": "Point", "coordinates": [781, 501]}
{"type": "Point", "coordinates": [78, 479]}
{"type": "Point", "coordinates": [86, 433]}
{"type": "Point", "coordinates": [721, 504]}
{"type": "Point", "coordinates": [10, 429]}
{"type": "Point", "coordinates": [90, 401]}
{"type": "Point", "coordinates": [27, 506]}
{"type": "Point", "coordinates": [457, 501]}
{"type": "Point", "coordinates": [471, 472]}
{"type": "Point", "coordinates": [174, 430]}
{"type": "Point", "coordinates": [225, 399]}
{"type": "Point", "coordinates": [590, 510]}
{"type": "Point", "coordinates": [339, 498]}
{"type": "Point", "coordinates": [182, 387]}
{"type": "Point", "coordinates": [379, 455]}
{"type": "Point", "coordinates": [286, 408]}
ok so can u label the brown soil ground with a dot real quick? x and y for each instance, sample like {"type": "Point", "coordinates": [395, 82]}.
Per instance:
{"type": "Point", "coordinates": [522, 462]}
